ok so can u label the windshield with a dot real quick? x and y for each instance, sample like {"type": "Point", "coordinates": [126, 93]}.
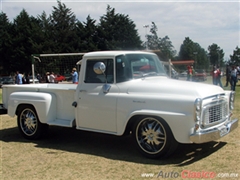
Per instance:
{"type": "Point", "coordinates": [133, 66]}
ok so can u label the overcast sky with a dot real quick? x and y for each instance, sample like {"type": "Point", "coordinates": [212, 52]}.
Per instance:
{"type": "Point", "coordinates": [204, 22]}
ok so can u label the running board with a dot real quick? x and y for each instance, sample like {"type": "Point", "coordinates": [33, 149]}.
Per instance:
{"type": "Point", "coordinates": [62, 122]}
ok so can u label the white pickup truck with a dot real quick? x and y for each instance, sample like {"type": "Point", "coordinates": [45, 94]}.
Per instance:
{"type": "Point", "coordinates": [122, 93]}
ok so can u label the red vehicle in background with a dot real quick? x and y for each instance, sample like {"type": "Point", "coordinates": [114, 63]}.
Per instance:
{"type": "Point", "coordinates": [59, 78]}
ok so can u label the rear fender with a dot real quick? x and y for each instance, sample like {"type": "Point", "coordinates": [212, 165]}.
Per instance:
{"type": "Point", "coordinates": [44, 104]}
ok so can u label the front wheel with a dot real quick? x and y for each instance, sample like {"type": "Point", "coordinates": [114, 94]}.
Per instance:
{"type": "Point", "coordinates": [29, 124]}
{"type": "Point", "coordinates": [153, 137]}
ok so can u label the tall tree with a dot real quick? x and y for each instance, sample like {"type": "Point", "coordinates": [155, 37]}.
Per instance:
{"type": "Point", "coordinates": [63, 34]}
{"type": "Point", "coordinates": [5, 44]}
{"type": "Point", "coordinates": [216, 55]}
{"type": "Point", "coordinates": [164, 45]}
{"type": "Point", "coordinates": [118, 31]}
{"type": "Point", "coordinates": [45, 36]}
{"type": "Point", "coordinates": [25, 35]}
{"type": "Point", "coordinates": [81, 44]}
{"type": "Point", "coordinates": [190, 50]}
{"type": "Point", "coordinates": [187, 49]}
{"type": "Point", "coordinates": [63, 28]}
{"type": "Point", "coordinates": [235, 58]}
{"type": "Point", "coordinates": [153, 39]}
{"type": "Point", "coordinates": [90, 35]}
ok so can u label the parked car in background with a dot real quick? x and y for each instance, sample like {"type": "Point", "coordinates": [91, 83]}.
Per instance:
{"type": "Point", "coordinates": [200, 75]}
{"type": "Point", "coordinates": [183, 74]}
{"type": "Point", "coordinates": [59, 78]}
{"type": "Point", "coordinates": [35, 80]}
{"type": "Point", "coordinates": [6, 80]}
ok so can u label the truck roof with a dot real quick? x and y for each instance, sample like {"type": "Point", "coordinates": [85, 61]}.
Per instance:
{"type": "Point", "coordinates": [113, 53]}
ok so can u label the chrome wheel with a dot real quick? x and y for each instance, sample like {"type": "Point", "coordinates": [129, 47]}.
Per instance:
{"type": "Point", "coordinates": [28, 122]}
{"type": "Point", "coordinates": [151, 135]}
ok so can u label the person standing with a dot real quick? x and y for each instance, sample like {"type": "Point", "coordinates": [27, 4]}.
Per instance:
{"type": "Point", "coordinates": [52, 77]}
{"type": "Point", "coordinates": [74, 76]}
{"type": "Point", "coordinates": [233, 78]}
{"type": "Point", "coordinates": [193, 73]}
{"type": "Point", "coordinates": [23, 78]}
{"type": "Point", "coordinates": [228, 75]}
{"type": "Point", "coordinates": [27, 81]}
{"type": "Point", "coordinates": [238, 68]}
{"type": "Point", "coordinates": [238, 72]}
{"type": "Point", "coordinates": [215, 75]}
{"type": "Point", "coordinates": [39, 78]}
{"type": "Point", "coordinates": [189, 73]}
{"type": "Point", "coordinates": [19, 78]}
{"type": "Point", "coordinates": [219, 81]}
{"type": "Point", "coordinates": [47, 77]}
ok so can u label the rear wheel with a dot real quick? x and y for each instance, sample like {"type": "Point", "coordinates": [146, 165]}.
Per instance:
{"type": "Point", "coordinates": [29, 124]}
{"type": "Point", "coordinates": [153, 137]}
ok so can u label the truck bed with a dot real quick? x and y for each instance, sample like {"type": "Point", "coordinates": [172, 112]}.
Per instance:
{"type": "Point", "coordinates": [63, 93]}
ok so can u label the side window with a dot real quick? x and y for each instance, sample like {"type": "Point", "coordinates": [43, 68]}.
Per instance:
{"type": "Point", "coordinates": [92, 77]}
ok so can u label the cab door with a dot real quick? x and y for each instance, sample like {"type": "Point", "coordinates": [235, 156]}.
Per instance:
{"type": "Point", "coordinates": [96, 110]}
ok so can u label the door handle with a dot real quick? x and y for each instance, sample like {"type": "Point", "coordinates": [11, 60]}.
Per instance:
{"type": "Point", "coordinates": [83, 90]}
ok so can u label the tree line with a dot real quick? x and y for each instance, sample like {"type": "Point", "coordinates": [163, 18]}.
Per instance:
{"type": "Point", "coordinates": [62, 32]}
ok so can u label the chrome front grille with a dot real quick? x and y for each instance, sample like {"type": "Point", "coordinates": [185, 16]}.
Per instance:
{"type": "Point", "coordinates": [214, 113]}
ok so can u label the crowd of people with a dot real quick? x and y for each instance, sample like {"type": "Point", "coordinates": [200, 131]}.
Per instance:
{"type": "Point", "coordinates": [50, 77]}
{"type": "Point", "coordinates": [231, 76]}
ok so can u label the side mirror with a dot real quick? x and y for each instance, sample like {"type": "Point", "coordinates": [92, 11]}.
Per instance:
{"type": "Point", "coordinates": [99, 68]}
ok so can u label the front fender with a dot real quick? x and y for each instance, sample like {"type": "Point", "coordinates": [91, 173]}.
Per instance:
{"type": "Point", "coordinates": [44, 104]}
{"type": "Point", "coordinates": [180, 124]}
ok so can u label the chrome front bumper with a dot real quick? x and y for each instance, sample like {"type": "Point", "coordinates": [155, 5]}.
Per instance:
{"type": "Point", "coordinates": [215, 133]}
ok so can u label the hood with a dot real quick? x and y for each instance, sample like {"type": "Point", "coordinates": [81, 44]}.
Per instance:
{"type": "Point", "coordinates": [163, 85]}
